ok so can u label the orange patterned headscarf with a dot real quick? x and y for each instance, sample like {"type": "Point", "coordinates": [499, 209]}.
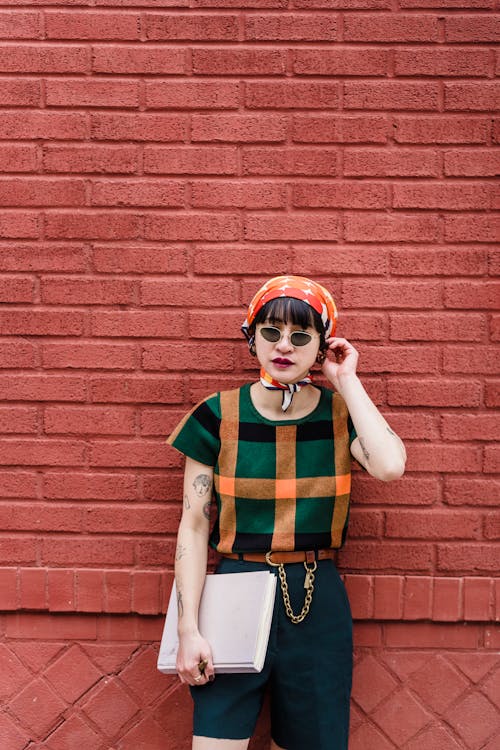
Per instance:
{"type": "Point", "coordinates": [301, 288]}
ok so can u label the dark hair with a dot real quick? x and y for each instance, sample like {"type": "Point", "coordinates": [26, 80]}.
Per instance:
{"type": "Point", "coordinates": [290, 310]}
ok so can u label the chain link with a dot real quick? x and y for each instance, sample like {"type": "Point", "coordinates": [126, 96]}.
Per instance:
{"type": "Point", "coordinates": [286, 596]}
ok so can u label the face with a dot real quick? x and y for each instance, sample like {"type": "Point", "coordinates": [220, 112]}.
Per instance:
{"type": "Point", "coordinates": [285, 360]}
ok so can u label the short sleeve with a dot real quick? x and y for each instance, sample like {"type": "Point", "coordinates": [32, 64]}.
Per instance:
{"type": "Point", "coordinates": [198, 433]}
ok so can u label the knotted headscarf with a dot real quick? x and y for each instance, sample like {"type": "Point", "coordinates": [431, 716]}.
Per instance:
{"type": "Point", "coordinates": [306, 290]}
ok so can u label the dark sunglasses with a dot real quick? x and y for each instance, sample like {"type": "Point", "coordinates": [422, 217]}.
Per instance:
{"type": "Point", "coordinates": [296, 338]}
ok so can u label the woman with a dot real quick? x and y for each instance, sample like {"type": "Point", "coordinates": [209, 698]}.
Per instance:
{"type": "Point", "coordinates": [276, 456]}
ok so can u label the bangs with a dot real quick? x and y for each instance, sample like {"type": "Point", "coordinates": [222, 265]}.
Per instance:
{"type": "Point", "coordinates": [289, 310]}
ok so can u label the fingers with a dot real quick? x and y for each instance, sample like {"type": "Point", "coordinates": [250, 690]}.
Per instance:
{"type": "Point", "coordinates": [198, 675]}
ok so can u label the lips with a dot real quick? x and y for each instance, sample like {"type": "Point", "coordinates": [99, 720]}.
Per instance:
{"type": "Point", "coordinates": [281, 361]}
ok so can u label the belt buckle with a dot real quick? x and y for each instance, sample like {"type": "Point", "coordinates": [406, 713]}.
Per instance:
{"type": "Point", "coordinates": [269, 561]}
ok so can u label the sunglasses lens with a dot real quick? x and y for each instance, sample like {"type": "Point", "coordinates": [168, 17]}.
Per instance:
{"type": "Point", "coordinates": [300, 338]}
{"type": "Point", "coordinates": [270, 334]}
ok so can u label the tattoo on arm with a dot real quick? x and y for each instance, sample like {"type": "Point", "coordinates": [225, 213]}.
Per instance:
{"type": "Point", "coordinates": [391, 432]}
{"type": "Point", "coordinates": [180, 551]}
{"type": "Point", "coordinates": [363, 448]}
{"type": "Point", "coordinates": [187, 504]}
{"type": "Point", "coordinates": [201, 484]}
{"type": "Point", "coordinates": [180, 606]}
{"type": "Point", "coordinates": [206, 510]}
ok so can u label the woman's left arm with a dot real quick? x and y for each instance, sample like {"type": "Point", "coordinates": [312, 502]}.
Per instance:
{"type": "Point", "coordinates": [376, 446]}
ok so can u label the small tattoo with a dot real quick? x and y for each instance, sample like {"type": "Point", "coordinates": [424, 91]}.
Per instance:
{"type": "Point", "coordinates": [201, 484]}
{"type": "Point", "coordinates": [391, 432]}
{"type": "Point", "coordinates": [363, 448]}
{"type": "Point", "coordinates": [206, 510]}
{"type": "Point", "coordinates": [187, 504]}
{"type": "Point", "coordinates": [180, 551]}
{"type": "Point", "coordinates": [180, 606]}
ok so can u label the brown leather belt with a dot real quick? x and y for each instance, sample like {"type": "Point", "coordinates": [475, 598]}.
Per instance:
{"type": "Point", "coordinates": [277, 558]}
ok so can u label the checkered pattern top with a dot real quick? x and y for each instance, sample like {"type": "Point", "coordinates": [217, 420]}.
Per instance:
{"type": "Point", "coordinates": [281, 485]}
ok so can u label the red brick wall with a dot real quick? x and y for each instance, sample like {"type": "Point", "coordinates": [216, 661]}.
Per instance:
{"type": "Point", "coordinates": [160, 158]}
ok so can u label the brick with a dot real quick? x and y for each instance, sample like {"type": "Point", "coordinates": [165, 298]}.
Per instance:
{"type": "Point", "coordinates": [439, 261]}
{"type": "Point", "coordinates": [470, 359]}
{"type": "Point", "coordinates": [291, 95]}
{"type": "Point", "coordinates": [391, 95]}
{"type": "Point", "coordinates": [16, 289]}
{"type": "Point", "coordinates": [339, 129]}
{"type": "Point", "coordinates": [124, 519]}
{"type": "Point", "coordinates": [388, 601]}
{"type": "Point", "coordinates": [109, 692]}
{"type": "Point", "coordinates": [471, 162]}
{"type": "Point", "coordinates": [188, 293]}
{"type": "Point", "coordinates": [14, 736]}
{"type": "Point", "coordinates": [294, 27]}
{"type": "Point", "coordinates": [379, 227]}
{"type": "Point", "coordinates": [388, 556]}
{"type": "Point", "coordinates": [88, 356]}
{"type": "Point", "coordinates": [472, 294]}
{"type": "Point", "coordinates": [432, 635]}
{"type": "Point", "coordinates": [223, 260]}
{"type": "Point", "coordinates": [46, 125]}
{"type": "Point", "coordinates": [61, 590]}
{"type": "Point", "coordinates": [438, 684]}
{"type": "Point", "coordinates": [19, 484]}
{"type": "Point", "coordinates": [242, 3]}
{"type": "Point", "coordinates": [345, 194]}
{"type": "Point", "coordinates": [478, 597]}
{"type": "Point", "coordinates": [345, 260]}
{"type": "Point", "coordinates": [471, 491]}
{"type": "Point", "coordinates": [161, 193]}
{"type": "Point", "coordinates": [243, 128]}
{"type": "Point", "coordinates": [342, 62]}
{"type": "Point", "coordinates": [74, 92]}
{"type": "Point", "coordinates": [192, 226]}
{"type": "Point", "coordinates": [42, 257]}
{"type": "Point", "coordinates": [102, 225]}
{"type": "Point", "coordinates": [42, 452]}
{"type": "Point", "coordinates": [471, 228]}
{"type": "Point", "coordinates": [40, 517]}
{"type": "Point", "coordinates": [39, 706]}
{"type": "Point", "coordinates": [470, 558]}
{"type": "Point", "coordinates": [289, 161]}
{"type": "Point", "coordinates": [481, 96]}
{"type": "Point", "coordinates": [472, 28]}
{"type": "Point", "coordinates": [20, 93]}
{"type": "Point", "coordinates": [468, 427]}
{"type": "Point", "coordinates": [17, 353]}
{"type": "Point", "coordinates": [18, 419]}
{"type": "Point", "coordinates": [417, 598]}
{"type": "Point", "coordinates": [43, 58]}
{"type": "Point", "coordinates": [10, 600]}
{"type": "Point", "coordinates": [385, 27]}
{"type": "Point", "coordinates": [442, 392]}
{"type": "Point", "coordinates": [40, 388]}
{"type": "Point", "coordinates": [492, 394]}
{"type": "Point", "coordinates": [146, 59]}
{"type": "Point", "coordinates": [492, 526]}
{"type": "Point", "coordinates": [139, 259]}
{"type": "Point", "coordinates": [425, 61]}
{"type": "Point", "coordinates": [427, 524]}
{"type": "Point", "coordinates": [24, 191]}
{"type": "Point", "coordinates": [117, 591]}
{"type": "Point", "coordinates": [437, 327]}
{"type": "Point", "coordinates": [444, 458]}
{"type": "Point", "coordinates": [192, 95]}
{"type": "Point", "coordinates": [89, 420]}
{"type": "Point", "coordinates": [383, 684]}
{"type": "Point", "coordinates": [236, 61]}
{"type": "Point", "coordinates": [460, 717]}
{"type": "Point", "coordinates": [297, 227]}
{"type": "Point", "coordinates": [146, 592]}
{"type": "Point", "coordinates": [371, 294]}
{"type": "Point", "coordinates": [434, 130]}
{"type": "Point", "coordinates": [81, 550]}
{"type": "Point", "coordinates": [199, 27]}
{"type": "Point", "coordinates": [90, 158]}
{"type": "Point", "coordinates": [360, 592]}
{"type": "Point", "coordinates": [137, 127]}
{"type": "Point", "coordinates": [19, 24]}
{"type": "Point", "coordinates": [70, 485]}
{"type": "Point", "coordinates": [133, 389]}
{"type": "Point", "coordinates": [17, 157]}
{"type": "Point", "coordinates": [73, 730]}
{"type": "Point", "coordinates": [491, 459]}
{"type": "Point", "coordinates": [365, 523]}
{"type": "Point", "coordinates": [92, 25]}
{"type": "Point", "coordinates": [451, 4]}
{"type": "Point", "coordinates": [19, 550]}
{"type": "Point", "coordinates": [369, 736]}
{"type": "Point", "coordinates": [142, 324]}
{"type": "Point", "coordinates": [226, 194]}
{"type": "Point", "coordinates": [33, 592]}
{"type": "Point", "coordinates": [24, 225]}
{"type": "Point", "coordinates": [190, 160]}
{"type": "Point", "coordinates": [40, 322]}
{"type": "Point", "coordinates": [42, 627]}
{"type": "Point", "coordinates": [182, 356]}
{"type": "Point", "coordinates": [400, 162]}
{"type": "Point", "coordinates": [455, 197]}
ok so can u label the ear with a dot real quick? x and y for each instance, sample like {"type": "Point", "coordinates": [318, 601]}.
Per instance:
{"type": "Point", "coordinates": [321, 357]}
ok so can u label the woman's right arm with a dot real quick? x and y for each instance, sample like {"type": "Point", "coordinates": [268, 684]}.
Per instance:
{"type": "Point", "coordinates": [190, 571]}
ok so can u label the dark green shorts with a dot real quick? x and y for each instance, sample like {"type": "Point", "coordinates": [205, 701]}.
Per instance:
{"type": "Point", "coordinates": [308, 670]}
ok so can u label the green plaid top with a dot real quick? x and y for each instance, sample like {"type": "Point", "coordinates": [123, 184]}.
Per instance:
{"type": "Point", "coordinates": [278, 485]}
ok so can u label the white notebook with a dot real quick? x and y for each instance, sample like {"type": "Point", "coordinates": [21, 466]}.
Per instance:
{"type": "Point", "coordinates": [235, 615]}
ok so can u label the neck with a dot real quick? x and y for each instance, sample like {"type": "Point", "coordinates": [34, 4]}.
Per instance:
{"type": "Point", "coordinates": [268, 403]}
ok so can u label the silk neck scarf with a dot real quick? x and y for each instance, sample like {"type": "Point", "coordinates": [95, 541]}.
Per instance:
{"type": "Point", "coordinates": [289, 389]}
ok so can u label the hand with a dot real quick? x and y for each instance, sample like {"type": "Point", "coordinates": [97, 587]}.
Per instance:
{"type": "Point", "coordinates": [343, 363]}
{"type": "Point", "coordinates": [193, 649]}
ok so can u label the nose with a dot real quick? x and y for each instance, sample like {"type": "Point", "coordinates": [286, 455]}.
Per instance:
{"type": "Point", "coordinates": [284, 344]}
